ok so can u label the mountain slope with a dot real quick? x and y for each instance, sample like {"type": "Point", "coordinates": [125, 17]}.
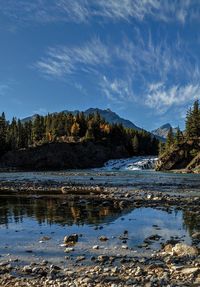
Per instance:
{"type": "Point", "coordinates": [107, 114]}
{"type": "Point", "coordinates": [112, 118]}
{"type": "Point", "coordinates": [164, 130]}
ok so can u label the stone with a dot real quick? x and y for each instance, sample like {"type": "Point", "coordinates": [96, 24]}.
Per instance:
{"type": "Point", "coordinates": [80, 258]}
{"type": "Point", "coordinates": [71, 239]}
{"type": "Point", "coordinates": [190, 270]}
{"type": "Point", "coordinates": [124, 247]}
{"type": "Point", "coordinates": [181, 249]}
{"type": "Point", "coordinates": [102, 258]}
{"type": "Point", "coordinates": [95, 247]}
{"type": "Point", "coordinates": [196, 235]}
{"type": "Point", "coordinates": [168, 248]}
{"type": "Point", "coordinates": [27, 269]}
{"type": "Point", "coordinates": [69, 249]}
{"type": "Point", "coordinates": [103, 238]}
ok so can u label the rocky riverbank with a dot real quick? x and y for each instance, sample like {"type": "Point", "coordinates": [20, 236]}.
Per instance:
{"type": "Point", "coordinates": [183, 158]}
{"type": "Point", "coordinates": [58, 156]}
{"type": "Point", "coordinates": [172, 264]}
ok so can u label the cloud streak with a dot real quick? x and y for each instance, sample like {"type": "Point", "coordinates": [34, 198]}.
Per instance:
{"type": "Point", "coordinates": [132, 61]}
{"type": "Point", "coordinates": [81, 11]}
{"type": "Point", "coordinates": [69, 60]}
{"type": "Point", "coordinates": [161, 98]}
{"type": "Point", "coordinates": [117, 90]}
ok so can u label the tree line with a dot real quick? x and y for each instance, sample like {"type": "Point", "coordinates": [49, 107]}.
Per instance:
{"type": "Point", "coordinates": [192, 130]}
{"type": "Point", "coordinates": [66, 127]}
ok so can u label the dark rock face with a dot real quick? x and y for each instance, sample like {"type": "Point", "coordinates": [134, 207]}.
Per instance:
{"type": "Point", "coordinates": [62, 156]}
{"type": "Point", "coordinates": [180, 157]}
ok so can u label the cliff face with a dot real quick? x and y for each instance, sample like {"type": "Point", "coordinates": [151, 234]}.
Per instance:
{"type": "Point", "coordinates": [184, 156]}
{"type": "Point", "coordinates": [62, 156]}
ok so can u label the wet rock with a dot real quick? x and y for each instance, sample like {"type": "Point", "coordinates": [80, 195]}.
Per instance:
{"type": "Point", "coordinates": [71, 239]}
{"type": "Point", "coordinates": [28, 251]}
{"type": "Point", "coordinates": [196, 235]}
{"type": "Point", "coordinates": [124, 247]}
{"type": "Point", "coordinates": [27, 269]}
{"type": "Point", "coordinates": [103, 238]}
{"type": "Point", "coordinates": [102, 258]}
{"type": "Point", "coordinates": [45, 238]}
{"type": "Point", "coordinates": [149, 196]}
{"type": "Point", "coordinates": [95, 247]}
{"type": "Point", "coordinates": [69, 249]}
{"type": "Point", "coordinates": [80, 258]}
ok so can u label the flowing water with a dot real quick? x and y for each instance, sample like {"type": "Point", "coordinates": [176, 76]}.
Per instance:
{"type": "Point", "coordinates": [32, 228]}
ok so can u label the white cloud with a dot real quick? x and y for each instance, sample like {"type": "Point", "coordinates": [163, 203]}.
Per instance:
{"type": "Point", "coordinates": [85, 10]}
{"type": "Point", "coordinates": [145, 68]}
{"type": "Point", "coordinates": [161, 98]}
{"type": "Point", "coordinates": [68, 60]}
{"type": "Point", "coordinates": [117, 90]}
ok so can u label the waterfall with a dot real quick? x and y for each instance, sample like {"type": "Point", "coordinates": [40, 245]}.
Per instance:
{"type": "Point", "coordinates": [133, 163]}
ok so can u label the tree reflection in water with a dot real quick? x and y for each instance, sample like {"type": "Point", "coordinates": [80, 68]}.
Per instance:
{"type": "Point", "coordinates": [57, 210]}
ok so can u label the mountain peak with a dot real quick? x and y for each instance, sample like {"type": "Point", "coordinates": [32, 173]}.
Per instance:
{"type": "Point", "coordinates": [164, 130]}
{"type": "Point", "coordinates": [166, 126]}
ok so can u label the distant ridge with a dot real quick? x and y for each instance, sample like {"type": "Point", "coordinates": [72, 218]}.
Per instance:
{"type": "Point", "coordinates": [164, 130]}
{"type": "Point", "coordinates": [107, 114]}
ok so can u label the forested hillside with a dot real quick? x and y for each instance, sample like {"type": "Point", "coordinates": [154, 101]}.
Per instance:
{"type": "Point", "coordinates": [182, 151]}
{"type": "Point", "coordinates": [71, 129]}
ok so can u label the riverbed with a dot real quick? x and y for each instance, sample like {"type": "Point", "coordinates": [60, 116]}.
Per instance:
{"type": "Point", "coordinates": [135, 214]}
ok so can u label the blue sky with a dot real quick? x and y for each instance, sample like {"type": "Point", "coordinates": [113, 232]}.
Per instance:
{"type": "Point", "coordinates": [139, 58]}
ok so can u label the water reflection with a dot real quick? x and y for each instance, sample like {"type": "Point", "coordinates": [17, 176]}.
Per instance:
{"type": "Point", "coordinates": [25, 220]}
{"type": "Point", "coordinates": [58, 210]}
{"type": "Point", "coordinates": [51, 210]}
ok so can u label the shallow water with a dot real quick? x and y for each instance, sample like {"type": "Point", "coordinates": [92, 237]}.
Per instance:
{"type": "Point", "coordinates": [25, 221]}
{"type": "Point", "coordinates": [140, 179]}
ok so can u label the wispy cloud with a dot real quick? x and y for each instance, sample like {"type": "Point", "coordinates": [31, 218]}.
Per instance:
{"type": "Point", "coordinates": [160, 97]}
{"type": "Point", "coordinates": [138, 61]}
{"type": "Point", "coordinates": [114, 10]}
{"type": "Point", "coordinates": [117, 90]}
{"type": "Point", "coordinates": [68, 60]}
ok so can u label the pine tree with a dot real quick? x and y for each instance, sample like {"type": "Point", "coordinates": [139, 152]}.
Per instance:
{"type": "Point", "coordinates": [135, 145]}
{"type": "Point", "coordinates": [161, 148]}
{"type": "Point", "coordinates": [193, 121]}
{"type": "Point", "coordinates": [170, 138]}
{"type": "Point", "coordinates": [178, 136]}
{"type": "Point", "coordinates": [38, 129]}
{"type": "Point", "coordinates": [3, 132]}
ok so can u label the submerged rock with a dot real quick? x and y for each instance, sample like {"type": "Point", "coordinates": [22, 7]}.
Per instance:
{"type": "Point", "coordinates": [103, 238]}
{"type": "Point", "coordinates": [71, 239]}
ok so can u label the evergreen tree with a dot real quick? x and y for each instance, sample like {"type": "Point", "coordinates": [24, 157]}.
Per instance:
{"type": "Point", "coordinates": [3, 133]}
{"type": "Point", "coordinates": [170, 138]}
{"type": "Point", "coordinates": [38, 129]}
{"type": "Point", "coordinates": [161, 148]}
{"type": "Point", "coordinates": [193, 121]}
{"type": "Point", "coordinates": [178, 136]}
{"type": "Point", "coordinates": [135, 145]}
